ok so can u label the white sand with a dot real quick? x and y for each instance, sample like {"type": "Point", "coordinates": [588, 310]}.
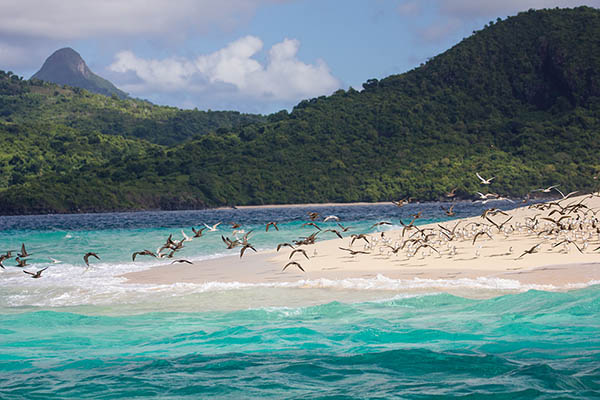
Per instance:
{"type": "Point", "coordinates": [491, 258]}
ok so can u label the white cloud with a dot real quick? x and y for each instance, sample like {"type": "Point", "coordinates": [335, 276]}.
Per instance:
{"type": "Point", "coordinates": [232, 70]}
{"type": "Point", "coordinates": [77, 19]}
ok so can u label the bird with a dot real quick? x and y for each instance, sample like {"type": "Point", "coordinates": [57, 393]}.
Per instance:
{"type": "Point", "coordinates": [23, 253]}
{"type": "Point", "coordinates": [246, 246]}
{"type": "Point", "coordinates": [484, 181]}
{"type": "Point", "coordinates": [87, 256]}
{"type": "Point", "coordinates": [354, 252]}
{"type": "Point", "coordinates": [230, 243]}
{"type": "Point", "coordinates": [293, 263]}
{"type": "Point", "coordinates": [402, 202]}
{"type": "Point", "coordinates": [235, 225]}
{"type": "Point", "coordinates": [298, 251]}
{"type": "Point", "coordinates": [273, 224]}
{"type": "Point", "coordinates": [21, 262]}
{"type": "Point", "coordinates": [564, 197]}
{"type": "Point", "coordinates": [359, 236]}
{"type": "Point", "coordinates": [197, 233]}
{"type": "Point", "coordinates": [182, 261]}
{"type": "Point", "coordinates": [2, 265]}
{"type": "Point", "coordinates": [546, 190]}
{"type": "Point", "coordinates": [54, 260]}
{"type": "Point", "coordinates": [331, 218]}
{"type": "Point", "coordinates": [313, 215]}
{"type": "Point", "coordinates": [212, 228]}
{"type": "Point", "coordinates": [336, 232]}
{"type": "Point", "coordinates": [379, 224]}
{"type": "Point", "coordinates": [142, 253]}
{"type": "Point", "coordinates": [37, 274]}
{"type": "Point", "coordinates": [280, 245]}
{"type": "Point", "coordinates": [449, 211]}
{"type": "Point", "coordinates": [344, 229]}
{"type": "Point", "coordinates": [530, 251]}
{"type": "Point", "coordinates": [451, 193]}
{"type": "Point", "coordinates": [426, 245]}
{"type": "Point", "coordinates": [311, 224]}
{"type": "Point", "coordinates": [479, 234]}
{"type": "Point", "coordinates": [186, 238]}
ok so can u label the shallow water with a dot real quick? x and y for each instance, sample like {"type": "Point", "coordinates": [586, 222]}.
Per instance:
{"type": "Point", "coordinates": [76, 334]}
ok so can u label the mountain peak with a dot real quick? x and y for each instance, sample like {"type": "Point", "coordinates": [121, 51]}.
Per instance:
{"type": "Point", "coordinates": [66, 67]}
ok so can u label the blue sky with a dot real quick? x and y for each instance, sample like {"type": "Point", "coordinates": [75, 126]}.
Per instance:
{"type": "Point", "coordinates": [248, 55]}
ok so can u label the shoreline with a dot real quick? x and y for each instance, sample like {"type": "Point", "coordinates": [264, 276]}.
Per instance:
{"type": "Point", "coordinates": [501, 256]}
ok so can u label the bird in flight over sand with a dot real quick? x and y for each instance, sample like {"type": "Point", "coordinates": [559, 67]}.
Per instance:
{"type": "Point", "coordinates": [182, 261]}
{"type": "Point", "coordinates": [298, 251]}
{"type": "Point", "coordinates": [354, 252]}
{"type": "Point", "coordinates": [293, 263]}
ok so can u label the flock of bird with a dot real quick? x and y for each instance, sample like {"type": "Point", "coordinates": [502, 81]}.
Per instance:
{"type": "Point", "coordinates": [575, 224]}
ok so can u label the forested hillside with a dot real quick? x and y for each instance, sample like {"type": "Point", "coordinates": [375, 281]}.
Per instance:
{"type": "Point", "coordinates": [519, 100]}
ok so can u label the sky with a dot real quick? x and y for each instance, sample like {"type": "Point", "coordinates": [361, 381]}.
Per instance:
{"type": "Point", "coordinates": [257, 56]}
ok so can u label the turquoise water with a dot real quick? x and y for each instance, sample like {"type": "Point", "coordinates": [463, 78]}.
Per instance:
{"type": "Point", "coordinates": [86, 334]}
{"type": "Point", "coordinates": [528, 345]}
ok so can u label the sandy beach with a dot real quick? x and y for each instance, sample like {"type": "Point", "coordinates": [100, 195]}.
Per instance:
{"type": "Point", "coordinates": [496, 253]}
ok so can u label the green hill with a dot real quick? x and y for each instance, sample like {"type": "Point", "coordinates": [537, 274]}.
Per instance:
{"type": "Point", "coordinates": [519, 100]}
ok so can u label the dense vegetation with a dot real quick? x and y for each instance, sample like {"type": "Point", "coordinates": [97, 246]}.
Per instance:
{"type": "Point", "coordinates": [519, 100]}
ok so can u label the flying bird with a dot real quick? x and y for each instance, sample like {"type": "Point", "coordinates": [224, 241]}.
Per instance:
{"type": "Point", "coordinates": [379, 224]}
{"type": "Point", "coordinates": [143, 253]}
{"type": "Point", "coordinates": [298, 251]}
{"type": "Point", "coordinates": [197, 233]}
{"type": "Point", "coordinates": [87, 256]}
{"type": "Point", "coordinates": [37, 274]}
{"type": "Point", "coordinates": [280, 245]}
{"type": "Point", "coordinates": [182, 261]}
{"type": "Point", "coordinates": [212, 228]}
{"type": "Point", "coordinates": [353, 252]}
{"type": "Point", "coordinates": [273, 224]}
{"type": "Point", "coordinates": [311, 224]}
{"type": "Point", "coordinates": [530, 251]}
{"type": "Point", "coordinates": [246, 246]}
{"type": "Point", "coordinates": [23, 253]}
{"type": "Point", "coordinates": [484, 181]}
{"type": "Point", "coordinates": [293, 263]}
{"type": "Point", "coordinates": [331, 218]}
